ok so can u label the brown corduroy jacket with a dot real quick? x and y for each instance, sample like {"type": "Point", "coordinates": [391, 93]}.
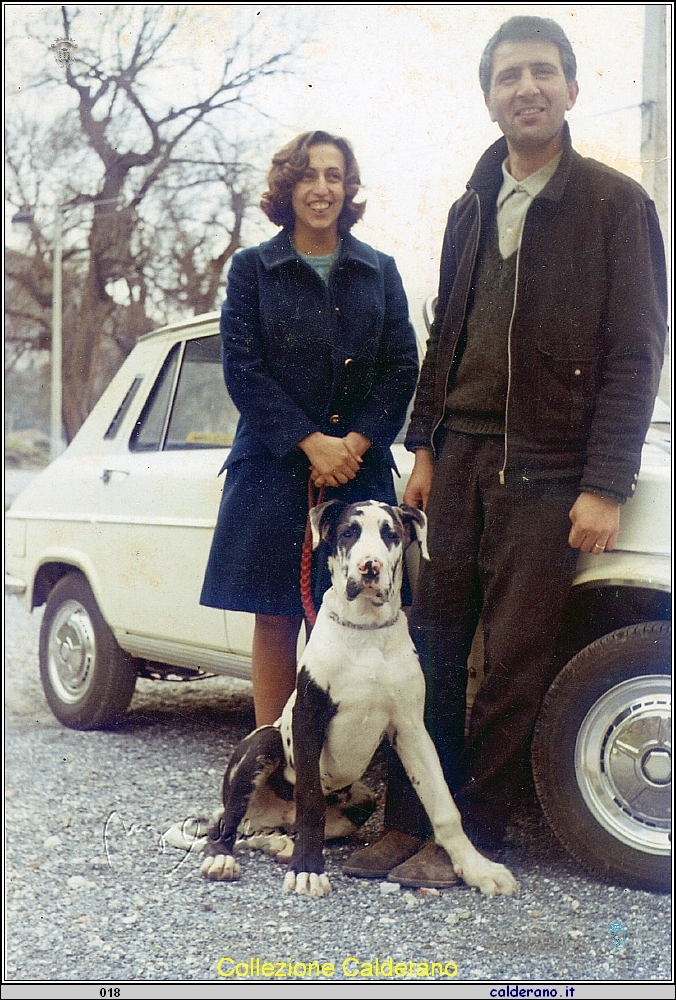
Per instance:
{"type": "Point", "coordinates": [586, 339]}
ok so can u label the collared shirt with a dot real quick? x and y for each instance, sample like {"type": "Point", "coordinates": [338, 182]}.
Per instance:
{"type": "Point", "coordinates": [514, 200]}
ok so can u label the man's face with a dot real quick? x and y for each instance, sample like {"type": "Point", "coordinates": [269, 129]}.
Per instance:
{"type": "Point", "coordinates": [529, 95]}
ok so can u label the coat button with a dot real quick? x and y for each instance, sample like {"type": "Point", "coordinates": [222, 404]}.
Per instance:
{"type": "Point", "coordinates": [577, 372]}
{"type": "Point", "coordinates": [337, 310]}
{"type": "Point", "coordinates": [348, 362]}
{"type": "Point", "coordinates": [334, 418]}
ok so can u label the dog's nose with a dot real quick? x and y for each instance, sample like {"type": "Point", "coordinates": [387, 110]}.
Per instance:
{"type": "Point", "coordinates": [370, 567]}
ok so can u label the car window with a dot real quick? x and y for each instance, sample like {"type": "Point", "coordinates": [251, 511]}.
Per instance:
{"type": "Point", "coordinates": [148, 433]}
{"type": "Point", "coordinates": [202, 415]}
{"type": "Point", "coordinates": [189, 406]}
{"type": "Point", "coordinates": [122, 411]}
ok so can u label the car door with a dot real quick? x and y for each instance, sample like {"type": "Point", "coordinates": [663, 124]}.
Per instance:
{"type": "Point", "coordinates": [159, 498]}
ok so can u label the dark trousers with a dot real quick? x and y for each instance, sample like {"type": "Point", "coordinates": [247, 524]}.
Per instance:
{"type": "Point", "coordinates": [499, 552]}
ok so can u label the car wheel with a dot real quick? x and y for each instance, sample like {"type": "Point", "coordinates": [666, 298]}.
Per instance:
{"type": "Point", "coordinates": [88, 680]}
{"type": "Point", "coordinates": [602, 756]}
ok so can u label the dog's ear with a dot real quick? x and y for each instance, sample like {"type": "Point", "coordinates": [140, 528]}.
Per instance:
{"type": "Point", "coordinates": [324, 517]}
{"type": "Point", "coordinates": [415, 521]}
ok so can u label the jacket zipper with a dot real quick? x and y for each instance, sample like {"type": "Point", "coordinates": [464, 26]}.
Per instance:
{"type": "Point", "coordinates": [501, 473]}
{"type": "Point", "coordinates": [464, 313]}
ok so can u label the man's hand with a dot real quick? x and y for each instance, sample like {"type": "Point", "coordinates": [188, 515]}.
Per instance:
{"type": "Point", "coordinates": [333, 461]}
{"type": "Point", "coordinates": [596, 522]}
{"type": "Point", "coordinates": [356, 443]}
{"type": "Point", "coordinates": [419, 484]}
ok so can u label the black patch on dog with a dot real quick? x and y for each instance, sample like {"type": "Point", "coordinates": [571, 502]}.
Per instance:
{"type": "Point", "coordinates": [282, 788]}
{"type": "Point", "coordinates": [347, 534]}
{"type": "Point", "coordinates": [258, 757]}
{"type": "Point", "coordinates": [392, 534]}
{"type": "Point", "coordinates": [310, 697]}
{"type": "Point", "coordinates": [361, 813]}
{"type": "Point", "coordinates": [329, 516]}
{"type": "Point", "coordinates": [312, 714]}
{"type": "Point", "coordinates": [409, 515]}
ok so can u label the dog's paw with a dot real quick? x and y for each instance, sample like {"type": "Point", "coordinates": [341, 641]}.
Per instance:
{"type": "Point", "coordinates": [490, 878]}
{"type": "Point", "coordinates": [279, 845]}
{"type": "Point", "coordinates": [307, 884]}
{"type": "Point", "coordinates": [190, 835]}
{"type": "Point", "coordinates": [505, 882]}
{"type": "Point", "coordinates": [220, 868]}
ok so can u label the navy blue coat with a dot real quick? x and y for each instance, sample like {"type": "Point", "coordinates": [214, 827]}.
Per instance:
{"type": "Point", "coordinates": [301, 355]}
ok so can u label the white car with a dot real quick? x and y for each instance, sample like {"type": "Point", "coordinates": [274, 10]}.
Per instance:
{"type": "Point", "coordinates": [114, 536]}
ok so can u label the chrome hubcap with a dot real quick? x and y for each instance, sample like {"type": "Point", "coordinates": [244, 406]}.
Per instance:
{"type": "Point", "coordinates": [623, 762]}
{"type": "Point", "coordinates": [71, 652]}
{"type": "Point", "coordinates": [656, 767]}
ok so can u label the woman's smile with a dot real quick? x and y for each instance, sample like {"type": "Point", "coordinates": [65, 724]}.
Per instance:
{"type": "Point", "coordinates": [318, 198]}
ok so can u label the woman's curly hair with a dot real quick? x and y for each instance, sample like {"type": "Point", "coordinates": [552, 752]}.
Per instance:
{"type": "Point", "coordinates": [288, 167]}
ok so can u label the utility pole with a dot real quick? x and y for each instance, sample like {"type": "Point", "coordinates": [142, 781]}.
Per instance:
{"type": "Point", "coordinates": [655, 161]}
{"type": "Point", "coordinates": [654, 117]}
{"type": "Point", "coordinates": [56, 419]}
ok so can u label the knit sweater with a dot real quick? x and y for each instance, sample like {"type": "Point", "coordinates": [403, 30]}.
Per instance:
{"type": "Point", "coordinates": [478, 394]}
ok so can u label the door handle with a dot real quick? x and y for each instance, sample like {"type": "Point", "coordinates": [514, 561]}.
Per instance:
{"type": "Point", "coordinates": [107, 474]}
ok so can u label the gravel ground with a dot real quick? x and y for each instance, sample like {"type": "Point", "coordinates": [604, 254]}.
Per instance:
{"type": "Point", "coordinates": [92, 895]}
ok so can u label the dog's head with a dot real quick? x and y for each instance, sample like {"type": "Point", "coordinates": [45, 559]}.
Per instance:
{"type": "Point", "coordinates": [366, 544]}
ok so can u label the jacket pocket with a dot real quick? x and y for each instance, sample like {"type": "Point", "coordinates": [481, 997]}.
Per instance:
{"type": "Point", "coordinates": [566, 392]}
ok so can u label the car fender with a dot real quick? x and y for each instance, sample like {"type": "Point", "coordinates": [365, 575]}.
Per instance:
{"type": "Point", "coordinates": [79, 561]}
{"type": "Point", "coordinates": [624, 569]}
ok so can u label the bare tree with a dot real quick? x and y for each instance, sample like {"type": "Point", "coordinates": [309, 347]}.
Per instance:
{"type": "Point", "coordinates": [202, 206]}
{"type": "Point", "coordinates": [144, 169]}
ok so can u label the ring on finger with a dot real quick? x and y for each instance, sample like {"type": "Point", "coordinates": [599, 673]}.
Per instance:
{"type": "Point", "coordinates": [601, 548]}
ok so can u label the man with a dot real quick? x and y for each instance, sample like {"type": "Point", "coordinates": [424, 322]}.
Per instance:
{"type": "Point", "coordinates": [529, 419]}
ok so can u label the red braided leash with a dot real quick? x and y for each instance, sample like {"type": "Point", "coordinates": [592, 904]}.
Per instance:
{"type": "Point", "coordinates": [306, 558]}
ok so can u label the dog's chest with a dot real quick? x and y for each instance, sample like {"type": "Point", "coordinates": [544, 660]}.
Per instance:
{"type": "Point", "coordinates": [352, 739]}
{"type": "Point", "coordinates": [370, 680]}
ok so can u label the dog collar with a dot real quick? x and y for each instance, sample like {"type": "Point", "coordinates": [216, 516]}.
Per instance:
{"type": "Point", "coordinates": [363, 628]}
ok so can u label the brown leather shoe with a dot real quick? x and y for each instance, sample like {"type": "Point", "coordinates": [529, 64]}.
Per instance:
{"type": "Point", "coordinates": [430, 868]}
{"type": "Point", "coordinates": [384, 854]}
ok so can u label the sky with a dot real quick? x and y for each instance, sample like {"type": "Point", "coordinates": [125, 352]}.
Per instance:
{"type": "Point", "coordinates": [400, 82]}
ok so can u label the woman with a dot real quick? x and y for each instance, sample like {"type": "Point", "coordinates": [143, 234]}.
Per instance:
{"type": "Point", "coordinates": [320, 358]}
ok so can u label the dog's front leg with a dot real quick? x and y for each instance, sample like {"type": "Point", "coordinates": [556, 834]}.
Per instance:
{"type": "Point", "coordinates": [421, 763]}
{"type": "Point", "coordinates": [253, 761]}
{"type": "Point", "coordinates": [312, 713]}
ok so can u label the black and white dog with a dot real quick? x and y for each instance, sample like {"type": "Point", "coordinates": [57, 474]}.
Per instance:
{"type": "Point", "coordinates": [359, 679]}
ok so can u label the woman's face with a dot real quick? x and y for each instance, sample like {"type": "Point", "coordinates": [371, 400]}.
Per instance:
{"type": "Point", "coordinates": [318, 197]}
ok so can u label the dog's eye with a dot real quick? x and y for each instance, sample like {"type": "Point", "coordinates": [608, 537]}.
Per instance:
{"type": "Point", "coordinates": [347, 532]}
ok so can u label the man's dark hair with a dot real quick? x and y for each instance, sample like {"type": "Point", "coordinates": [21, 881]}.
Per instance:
{"type": "Point", "coordinates": [525, 29]}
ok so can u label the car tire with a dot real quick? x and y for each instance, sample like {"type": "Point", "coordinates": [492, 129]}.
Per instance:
{"type": "Point", "coordinates": [602, 756]}
{"type": "Point", "coordinates": [88, 680]}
